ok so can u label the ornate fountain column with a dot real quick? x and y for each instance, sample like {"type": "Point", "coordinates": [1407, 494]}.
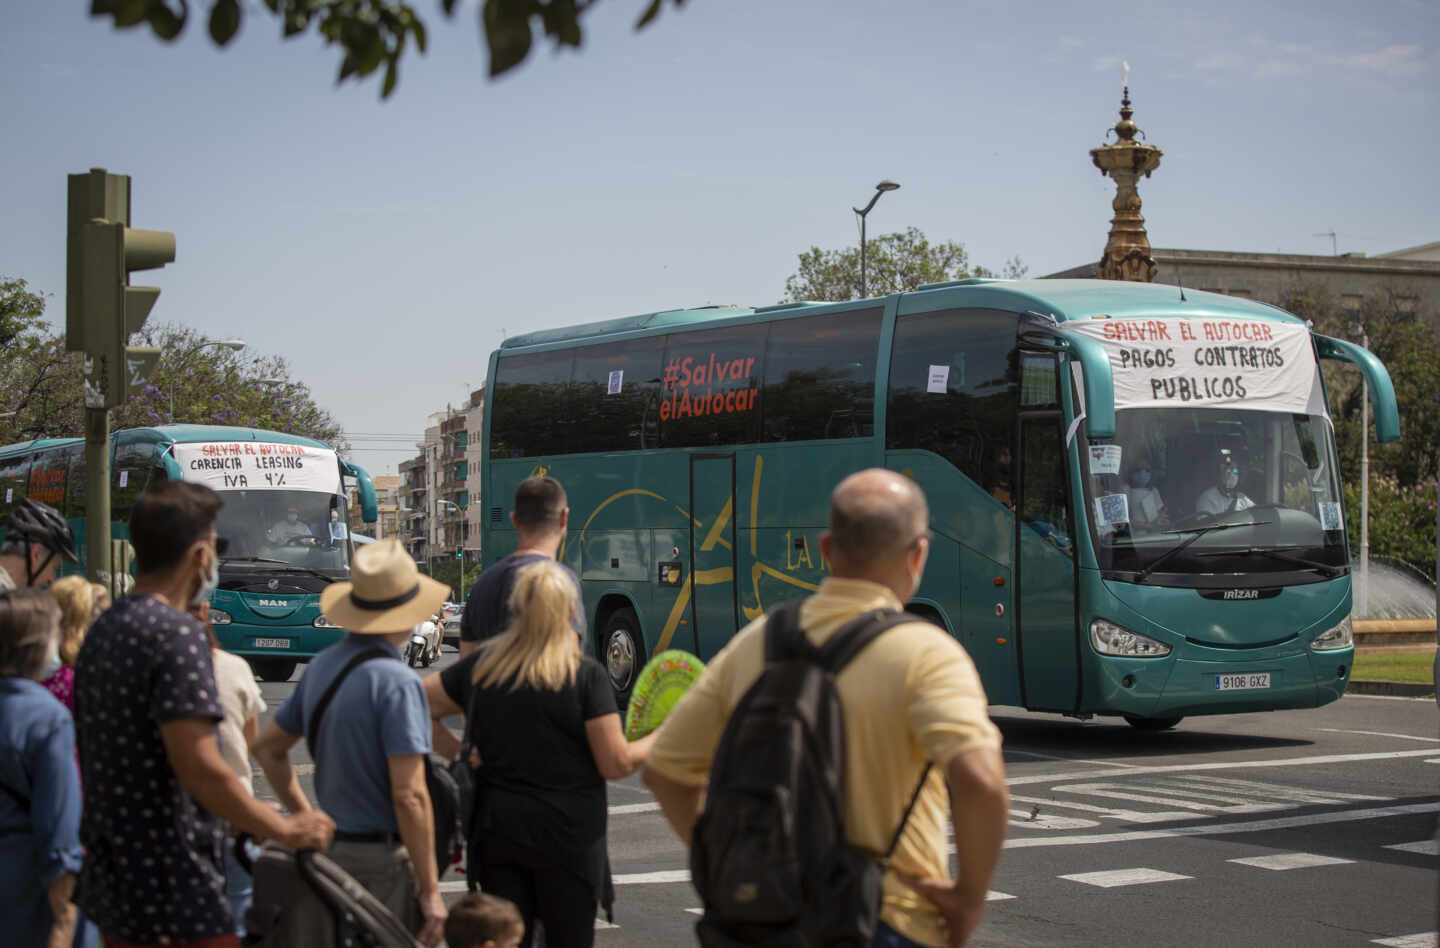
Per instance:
{"type": "Point", "coordinates": [1127, 252]}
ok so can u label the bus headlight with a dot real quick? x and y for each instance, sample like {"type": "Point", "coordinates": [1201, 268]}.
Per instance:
{"type": "Point", "coordinates": [323, 623]}
{"type": "Point", "coordinates": [1338, 636]}
{"type": "Point", "coordinates": [1111, 639]}
{"type": "Point", "coordinates": [220, 617]}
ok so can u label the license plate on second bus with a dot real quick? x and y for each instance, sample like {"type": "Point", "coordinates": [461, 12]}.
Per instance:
{"type": "Point", "coordinates": [1249, 681]}
{"type": "Point", "coordinates": [272, 643]}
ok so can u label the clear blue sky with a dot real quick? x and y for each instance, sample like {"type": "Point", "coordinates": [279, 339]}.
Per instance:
{"type": "Point", "coordinates": [385, 247]}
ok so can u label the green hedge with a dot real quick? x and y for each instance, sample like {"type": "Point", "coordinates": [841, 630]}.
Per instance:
{"type": "Point", "coordinates": [1402, 520]}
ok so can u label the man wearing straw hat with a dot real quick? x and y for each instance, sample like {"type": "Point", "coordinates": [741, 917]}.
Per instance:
{"type": "Point", "coordinates": [370, 744]}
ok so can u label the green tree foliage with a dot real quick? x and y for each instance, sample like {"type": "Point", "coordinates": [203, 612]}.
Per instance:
{"type": "Point", "coordinates": [1402, 473]}
{"type": "Point", "coordinates": [372, 33]}
{"type": "Point", "coordinates": [41, 384]}
{"type": "Point", "coordinates": [894, 263]}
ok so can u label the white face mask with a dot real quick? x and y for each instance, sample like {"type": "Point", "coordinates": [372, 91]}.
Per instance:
{"type": "Point", "coordinates": [1231, 480]}
{"type": "Point", "coordinates": [52, 662]}
{"type": "Point", "coordinates": [292, 517]}
{"type": "Point", "coordinates": [208, 583]}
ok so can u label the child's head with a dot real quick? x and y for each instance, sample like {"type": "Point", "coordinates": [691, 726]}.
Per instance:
{"type": "Point", "coordinates": [484, 921]}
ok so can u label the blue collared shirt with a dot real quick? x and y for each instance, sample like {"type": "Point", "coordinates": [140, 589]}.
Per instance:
{"type": "Point", "coordinates": [379, 712]}
{"type": "Point", "coordinates": [39, 811]}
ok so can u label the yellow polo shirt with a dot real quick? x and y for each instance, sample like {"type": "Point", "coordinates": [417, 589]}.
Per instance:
{"type": "Point", "coordinates": [911, 696]}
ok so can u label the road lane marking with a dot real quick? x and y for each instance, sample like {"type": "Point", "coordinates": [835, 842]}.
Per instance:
{"type": "Point", "coordinates": [1421, 940]}
{"type": "Point", "coordinates": [634, 808]}
{"type": "Point", "coordinates": [1168, 797]}
{"type": "Point", "coordinates": [1070, 760]}
{"type": "Point", "coordinates": [1407, 737]}
{"type": "Point", "coordinates": [1426, 847]}
{"type": "Point", "coordinates": [1220, 765]}
{"type": "Point", "coordinates": [993, 896]}
{"type": "Point", "coordinates": [1112, 878]}
{"type": "Point", "coordinates": [1024, 818]}
{"type": "Point", "coordinates": [1282, 861]}
{"type": "Point", "coordinates": [653, 878]}
{"type": "Point", "coordinates": [1128, 816]}
{"type": "Point", "coordinates": [1279, 791]}
{"type": "Point", "coordinates": [1224, 829]}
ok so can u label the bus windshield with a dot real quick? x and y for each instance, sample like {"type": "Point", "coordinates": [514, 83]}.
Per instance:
{"type": "Point", "coordinates": [275, 529]}
{"type": "Point", "coordinates": [1158, 492]}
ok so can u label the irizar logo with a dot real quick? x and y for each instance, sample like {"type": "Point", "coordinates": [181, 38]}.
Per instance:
{"type": "Point", "coordinates": [1242, 594]}
{"type": "Point", "coordinates": [275, 603]}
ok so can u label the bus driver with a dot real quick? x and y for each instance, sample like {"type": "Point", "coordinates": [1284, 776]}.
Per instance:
{"type": "Point", "coordinates": [290, 528]}
{"type": "Point", "coordinates": [1225, 494]}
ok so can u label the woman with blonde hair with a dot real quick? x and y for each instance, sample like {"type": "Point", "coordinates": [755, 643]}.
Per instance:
{"type": "Point", "coordinates": [81, 603]}
{"type": "Point", "coordinates": [544, 735]}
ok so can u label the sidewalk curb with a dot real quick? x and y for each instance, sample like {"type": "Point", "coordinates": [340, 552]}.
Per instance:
{"type": "Point", "coordinates": [1393, 689]}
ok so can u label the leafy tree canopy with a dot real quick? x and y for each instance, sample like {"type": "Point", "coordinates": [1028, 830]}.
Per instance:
{"type": "Point", "coordinates": [41, 384]}
{"type": "Point", "coordinates": [894, 263]}
{"type": "Point", "coordinates": [1408, 345]}
{"type": "Point", "coordinates": [372, 33]}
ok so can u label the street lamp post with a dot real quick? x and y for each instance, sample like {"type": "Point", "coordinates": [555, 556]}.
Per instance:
{"type": "Point", "coordinates": [234, 345]}
{"type": "Point", "coordinates": [881, 188]}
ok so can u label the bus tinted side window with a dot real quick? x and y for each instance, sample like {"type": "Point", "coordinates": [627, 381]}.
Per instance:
{"type": "Point", "coordinates": [530, 415]}
{"type": "Point", "coordinates": [14, 472]}
{"type": "Point", "coordinates": [820, 376]}
{"type": "Point", "coordinates": [129, 472]}
{"type": "Point", "coordinates": [710, 387]}
{"type": "Point", "coordinates": [954, 389]}
{"type": "Point", "coordinates": [614, 397]}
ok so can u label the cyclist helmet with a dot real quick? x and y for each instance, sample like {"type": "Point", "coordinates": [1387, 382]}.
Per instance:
{"type": "Point", "coordinates": [35, 524]}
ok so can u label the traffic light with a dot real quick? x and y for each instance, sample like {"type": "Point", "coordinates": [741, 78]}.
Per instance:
{"type": "Point", "coordinates": [103, 309]}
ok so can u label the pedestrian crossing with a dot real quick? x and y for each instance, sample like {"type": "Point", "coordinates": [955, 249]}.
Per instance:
{"type": "Point", "coordinates": [1104, 879]}
{"type": "Point", "coordinates": [1164, 799]}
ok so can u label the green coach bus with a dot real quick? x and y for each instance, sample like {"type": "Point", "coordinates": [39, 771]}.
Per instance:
{"type": "Point", "coordinates": [283, 519]}
{"type": "Point", "coordinates": [1134, 491]}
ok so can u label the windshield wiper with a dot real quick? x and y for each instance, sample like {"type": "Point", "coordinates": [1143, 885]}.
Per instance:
{"type": "Point", "coordinates": [287, 564]}
{"type": "Point", "coordinates": [1199, 532]}
{"type": "Point", "coordinates": [1325, 569]}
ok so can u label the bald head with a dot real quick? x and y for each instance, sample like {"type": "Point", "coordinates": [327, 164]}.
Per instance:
{"type": "Point", "coordinates": [875, 516]}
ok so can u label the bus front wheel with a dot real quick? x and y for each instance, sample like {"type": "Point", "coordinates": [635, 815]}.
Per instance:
{"type": "Point", "coordinates": [273, 669]}
{"type": "Point", "coordinates": [622, 652]}
{"type": "Point", "coordinates": [1153, 724]}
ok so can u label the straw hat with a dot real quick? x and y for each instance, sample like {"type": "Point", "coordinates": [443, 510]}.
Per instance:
{"type": "Point", "coordinates": [387, 594]}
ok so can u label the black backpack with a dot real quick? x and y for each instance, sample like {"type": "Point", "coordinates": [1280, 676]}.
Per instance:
{"type": "Point", "coordinates": [769, 856]}
{"type": "Point", "coordinates": [444, 791]}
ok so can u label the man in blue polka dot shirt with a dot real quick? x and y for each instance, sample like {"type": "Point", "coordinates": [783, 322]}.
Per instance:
{"type": "Point", "coordinates": [157, 791]}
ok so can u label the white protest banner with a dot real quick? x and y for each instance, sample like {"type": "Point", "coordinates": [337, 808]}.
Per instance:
{"type": "Point", "coordinates": [259, 465]}
{"type": "Point", "coordinates": [1214, 362]}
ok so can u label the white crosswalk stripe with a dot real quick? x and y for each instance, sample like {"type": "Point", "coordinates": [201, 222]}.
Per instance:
{"type": "Point", "coordinates": [1425, 847]}
{"type": "Point", "coordinates": [1283, 861]}
{"type": "Point", "coordinates": [1115, 878]}
{"type": "Point", "coordinates": [1421, 940]}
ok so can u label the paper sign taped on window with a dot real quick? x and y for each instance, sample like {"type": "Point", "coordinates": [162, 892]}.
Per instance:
{"type": "Point", "coordinates": [617, 380]}
{"type": "Point", "coordinates": [939, 381]}
{"type": "Point", "coordinates": [1112, 509]}
{"type": "Point", "coordinates": [124, 478]}
{"type": "Point", "coordinates": [9, 494]}
{"type": "Point", "coordinates": [1105, 458]}
{"type": "Point", "coordinates": [1330, 518]}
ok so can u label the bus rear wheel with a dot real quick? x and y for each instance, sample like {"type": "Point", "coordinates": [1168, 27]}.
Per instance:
{"type": "Point", "coordinates": [1153, 724]}
{"type": "Point", "coordinates": [622, 652]}
{"type": "Point", "coordinates": [274, 669]}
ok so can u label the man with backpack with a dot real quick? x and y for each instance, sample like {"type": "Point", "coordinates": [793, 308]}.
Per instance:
{"type": "Point", "coordinates": [363, 713]}
{"type": "Point", "coordinates": [808, 767]}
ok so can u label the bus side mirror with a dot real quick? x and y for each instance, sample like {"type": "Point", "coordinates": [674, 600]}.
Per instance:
{"type": "Point", "coordinates": [1382, 392]}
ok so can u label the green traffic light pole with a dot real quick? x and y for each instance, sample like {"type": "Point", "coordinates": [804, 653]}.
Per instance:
{"type": "Point", "coordinates": [101, 311]}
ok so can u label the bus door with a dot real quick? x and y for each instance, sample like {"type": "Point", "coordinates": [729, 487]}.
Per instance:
{"type": "Point", "coordinates": [713, 609]}
{"type": "Point", "coordinates": [1044, 548]}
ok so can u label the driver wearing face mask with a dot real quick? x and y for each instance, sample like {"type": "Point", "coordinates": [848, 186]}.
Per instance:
{"type": "Point", "coordinates": [289, 528]}
{"type": "Point", "coordinates": [1225, 494]}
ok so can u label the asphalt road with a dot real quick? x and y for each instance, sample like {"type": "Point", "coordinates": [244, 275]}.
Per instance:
{"type": "Point", "coordinates": [1291, 828]}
